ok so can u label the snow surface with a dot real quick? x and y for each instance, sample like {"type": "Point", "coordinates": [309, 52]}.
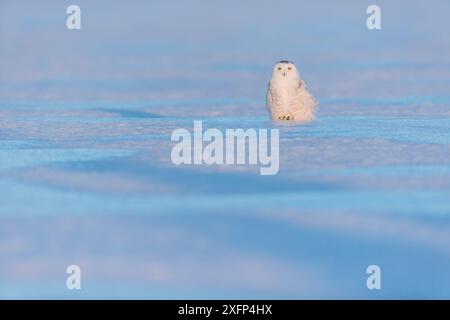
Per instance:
{"type": "Point", "coordinates": [86, 176]}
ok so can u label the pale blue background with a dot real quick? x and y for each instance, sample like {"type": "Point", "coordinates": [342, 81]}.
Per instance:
{"type": "Point", "coordinates": [86, 176]}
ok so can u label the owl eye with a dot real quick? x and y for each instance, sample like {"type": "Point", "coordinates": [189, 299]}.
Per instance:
{"type": "Point", "coordinates": [279, 68]}
{"type": "Point", "coordinates": [289, 68]}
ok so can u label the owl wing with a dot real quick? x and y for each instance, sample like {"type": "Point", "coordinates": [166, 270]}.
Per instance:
{"type": "Point", "coordinates": [301, 87]}
{"type": "Point", "coordinates": [304, 103]}
{"type": "Point", "coordinates": [273, 99]}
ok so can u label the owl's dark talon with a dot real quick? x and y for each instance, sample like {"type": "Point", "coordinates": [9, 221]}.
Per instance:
{"type": "Point", "coordinates": [285, 118]}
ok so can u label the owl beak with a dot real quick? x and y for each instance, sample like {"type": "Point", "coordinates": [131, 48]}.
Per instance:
{"type": "Point", "coordinates": [284, 74]}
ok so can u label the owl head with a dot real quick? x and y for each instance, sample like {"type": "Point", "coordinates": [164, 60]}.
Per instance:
{"type": "Point", "coordinates": [285, 70]}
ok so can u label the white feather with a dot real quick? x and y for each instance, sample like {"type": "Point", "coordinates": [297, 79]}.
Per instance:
{"type": "Point", "coordinates": [287, 95]}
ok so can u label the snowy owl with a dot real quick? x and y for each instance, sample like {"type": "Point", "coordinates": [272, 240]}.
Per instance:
{"type": "Point", "coordinates": [287, 95]}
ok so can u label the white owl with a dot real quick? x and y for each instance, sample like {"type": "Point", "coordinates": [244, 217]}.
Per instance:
{"type": "Point", "coordinates": [287, 95]}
